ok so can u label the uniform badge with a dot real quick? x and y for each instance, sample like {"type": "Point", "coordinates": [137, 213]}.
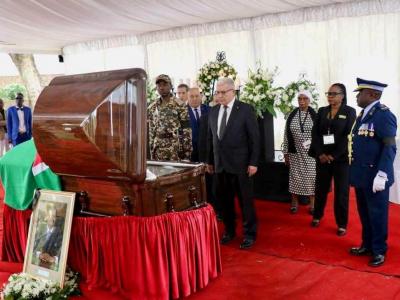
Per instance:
{"type": "Point", "coordinates": [362, 129]}
{"type": "Point", "coordinates": [366, 129]}
{"type": "Point", "coordinates": [371, 130]}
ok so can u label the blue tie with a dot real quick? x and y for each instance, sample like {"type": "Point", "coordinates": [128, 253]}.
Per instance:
{"type": "Point", "coordinates": [196, 114]}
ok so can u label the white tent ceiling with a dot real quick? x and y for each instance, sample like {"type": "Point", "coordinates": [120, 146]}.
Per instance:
{"type": "Point", "coordinates": [46, 26]}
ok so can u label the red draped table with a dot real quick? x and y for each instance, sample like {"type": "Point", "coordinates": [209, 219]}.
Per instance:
{"type": "Point", "coordinates": [167, 256]}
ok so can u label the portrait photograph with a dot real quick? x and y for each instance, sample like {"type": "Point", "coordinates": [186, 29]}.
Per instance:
{"type": "Point", "coordinates": [49, 233]}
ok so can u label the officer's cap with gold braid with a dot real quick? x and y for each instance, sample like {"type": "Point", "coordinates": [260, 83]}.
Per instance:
{"type": "Point", "coordinates": [369, 84]}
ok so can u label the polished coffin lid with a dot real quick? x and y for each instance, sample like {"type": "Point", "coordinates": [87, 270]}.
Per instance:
{"type": "Point", "coordinates": [94, 125]}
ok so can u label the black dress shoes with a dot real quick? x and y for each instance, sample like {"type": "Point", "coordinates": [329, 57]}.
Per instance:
{"type": "Point", "coordinates": [341, 231]}
{"type": "Point", "coordinates": [226, 238]}
{"type": "Point", "coordinates": [315, 223]}
{"type": "Point", "coordinates": [377, 260]}
{"type": "Point", "coordinates": [246, 244]}
{"type": "Point", "coordinates": [360, 251]}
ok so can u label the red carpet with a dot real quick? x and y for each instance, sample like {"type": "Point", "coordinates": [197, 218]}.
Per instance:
{"type": "Point", "coordinates": [291, 260]}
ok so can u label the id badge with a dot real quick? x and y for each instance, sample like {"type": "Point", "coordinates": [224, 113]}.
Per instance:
{"type": "Point", "coordinates": [329, 139]}
{"type": "Point", "coordinates": [307, 144]}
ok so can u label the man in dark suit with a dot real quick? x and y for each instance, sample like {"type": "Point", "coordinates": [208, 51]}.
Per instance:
{"type": "Point", "coordinates": [373, 149]}
{"type": "Point", "coordinates": [197, 112]}
{"type": "Point", "coordinates": [48, 241]}
{"type": "Point", "coordinates": [19, 122]}
{"type": "Point", "coordinates": [233, 153]}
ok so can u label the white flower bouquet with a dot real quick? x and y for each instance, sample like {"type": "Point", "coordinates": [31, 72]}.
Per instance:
{"type": "Point", "coordinates": [260, 93]}
{"type": "Point", "coordinates": [210, 72]}
{"type": "Point", "coordinates": [288, 101]}
{"type": "Point", "coordinates": [22, 286]}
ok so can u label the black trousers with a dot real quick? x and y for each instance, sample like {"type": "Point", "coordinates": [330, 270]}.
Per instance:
{"type": "Point", "coordinates": [229, 185]}
{"type": "Point", "coordinates": [211, 184]}
{"type": "Point", "coordinates": [340, 173]}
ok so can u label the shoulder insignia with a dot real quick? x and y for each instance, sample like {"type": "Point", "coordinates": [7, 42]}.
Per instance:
{"type": "Point", "coordinates": [383, 107]}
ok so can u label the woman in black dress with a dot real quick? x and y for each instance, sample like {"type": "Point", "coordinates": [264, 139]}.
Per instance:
{"type": "Point", "coordinates": [329, 147]}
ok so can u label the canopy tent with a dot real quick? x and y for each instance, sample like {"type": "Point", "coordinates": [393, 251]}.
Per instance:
{"type": "Point", "coordinates": [48, 26]}
{"type": "Point", "coordinates": [330, 41]}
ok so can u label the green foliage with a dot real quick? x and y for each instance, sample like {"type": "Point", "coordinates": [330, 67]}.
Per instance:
{"type": "Point", "coordinates": [10, 91]}
{"type": "Point", "coordinates": [151, 91]}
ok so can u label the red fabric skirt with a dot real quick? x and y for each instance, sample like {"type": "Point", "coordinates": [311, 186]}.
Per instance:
{"type": "Point", "coordinates": [171, 255]}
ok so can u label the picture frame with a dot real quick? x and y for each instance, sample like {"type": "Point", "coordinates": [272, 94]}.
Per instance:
{"type": "Point", "coordinates": [49, 234]}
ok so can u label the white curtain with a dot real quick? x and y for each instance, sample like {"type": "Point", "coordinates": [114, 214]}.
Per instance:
{"type": "Point", "coordinates": [330, 44]}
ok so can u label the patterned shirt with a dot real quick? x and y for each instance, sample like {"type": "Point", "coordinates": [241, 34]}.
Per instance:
{"type": "Point", "coordinates": [170, 134]}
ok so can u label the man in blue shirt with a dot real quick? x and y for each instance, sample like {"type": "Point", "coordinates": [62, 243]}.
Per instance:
{"type": "Point", "coordinates": [372, 149]}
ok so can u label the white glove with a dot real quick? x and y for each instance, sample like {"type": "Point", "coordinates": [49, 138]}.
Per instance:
{"type": "Point", "coordinates": [379, 184]}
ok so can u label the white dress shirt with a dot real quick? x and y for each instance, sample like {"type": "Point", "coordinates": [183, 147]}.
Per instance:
{"type": "Point", "coordinates": [228, 113]}
{"type": "Point", "coordinates": [198, 111]}
{"type": "Point", "coordinates": [368, 108]}
{"type": "Point", "coordinates": [21, 117]}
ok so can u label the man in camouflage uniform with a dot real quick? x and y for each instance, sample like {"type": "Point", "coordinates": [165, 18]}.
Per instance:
{"type": "Point", "coordinates": [170, 134]}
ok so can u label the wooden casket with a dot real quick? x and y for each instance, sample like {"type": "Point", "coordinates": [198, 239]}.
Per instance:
{"type": "Point", "coordinates": [91, 130]}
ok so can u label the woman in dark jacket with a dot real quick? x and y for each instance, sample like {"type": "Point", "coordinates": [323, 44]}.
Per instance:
{"type": "Point", "coordinates": [296, 143]}
{"type": "Point", "coordinates": [329, 147]}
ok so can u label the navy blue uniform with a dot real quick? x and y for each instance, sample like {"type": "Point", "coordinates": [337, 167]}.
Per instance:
{"type": "Point", "coordinates": [373, 150]}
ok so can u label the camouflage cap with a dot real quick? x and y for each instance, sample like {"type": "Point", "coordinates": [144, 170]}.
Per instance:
{"type": "Point", "coordinates": [163, 77]}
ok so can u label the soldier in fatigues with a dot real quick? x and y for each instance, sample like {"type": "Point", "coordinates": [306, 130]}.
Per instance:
{"type": "Point", "coordinates": [372, 149]}
{"type": "Point", "coordinates": [170, 134]}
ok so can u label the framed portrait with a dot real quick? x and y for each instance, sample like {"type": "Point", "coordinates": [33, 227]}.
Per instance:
{"type": "Point", "coordinates": [49, 232]}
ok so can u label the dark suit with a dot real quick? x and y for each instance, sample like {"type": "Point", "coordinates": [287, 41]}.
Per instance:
{"type": "Point", "coordinates": [231, 154]}
{"type": "Point", "coordinates": [374, 150]}
{"type": "Point", "coordinates": [195, 125]}
{"type": "Point", "coordinates": [340, 127]}
{"type": "Point", "coordinates": [13, 125]}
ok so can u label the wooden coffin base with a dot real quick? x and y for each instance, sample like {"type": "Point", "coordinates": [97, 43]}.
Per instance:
{"type": "Point", "coordinates": [176, 187]}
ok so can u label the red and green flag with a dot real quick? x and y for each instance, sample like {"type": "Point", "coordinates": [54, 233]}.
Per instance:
{"type": "Point", "coordinates": [22, 171]}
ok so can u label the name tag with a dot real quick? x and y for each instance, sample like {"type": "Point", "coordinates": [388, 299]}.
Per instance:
{"type": "Point", "coordinates": [329, 139]}
{"type": "Point", "coordinates": [307, 144]}
{"type": "Point", "coordinates": [342, 117]}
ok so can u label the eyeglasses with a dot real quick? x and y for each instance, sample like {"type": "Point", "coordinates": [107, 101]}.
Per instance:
{"type": "Point", "coordinates": [333, 94]}
{"type": "Point", "coordinates": [222, 93]}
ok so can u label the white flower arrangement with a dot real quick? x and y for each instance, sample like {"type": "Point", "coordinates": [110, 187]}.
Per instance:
{"type": "Point", "coordinates": [259, 91]}
{"type": "Point", "coordinates": [22, 286]}
{"type": "Point", "coordinates": [288, 102]}
{"type": "Point", "coordinates": [210, 72]}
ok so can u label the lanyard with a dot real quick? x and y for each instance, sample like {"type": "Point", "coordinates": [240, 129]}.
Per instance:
{"type": "Point", "coordinates": [304, 121]}
{"type": "Point", "coordinates": [330, 119]}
